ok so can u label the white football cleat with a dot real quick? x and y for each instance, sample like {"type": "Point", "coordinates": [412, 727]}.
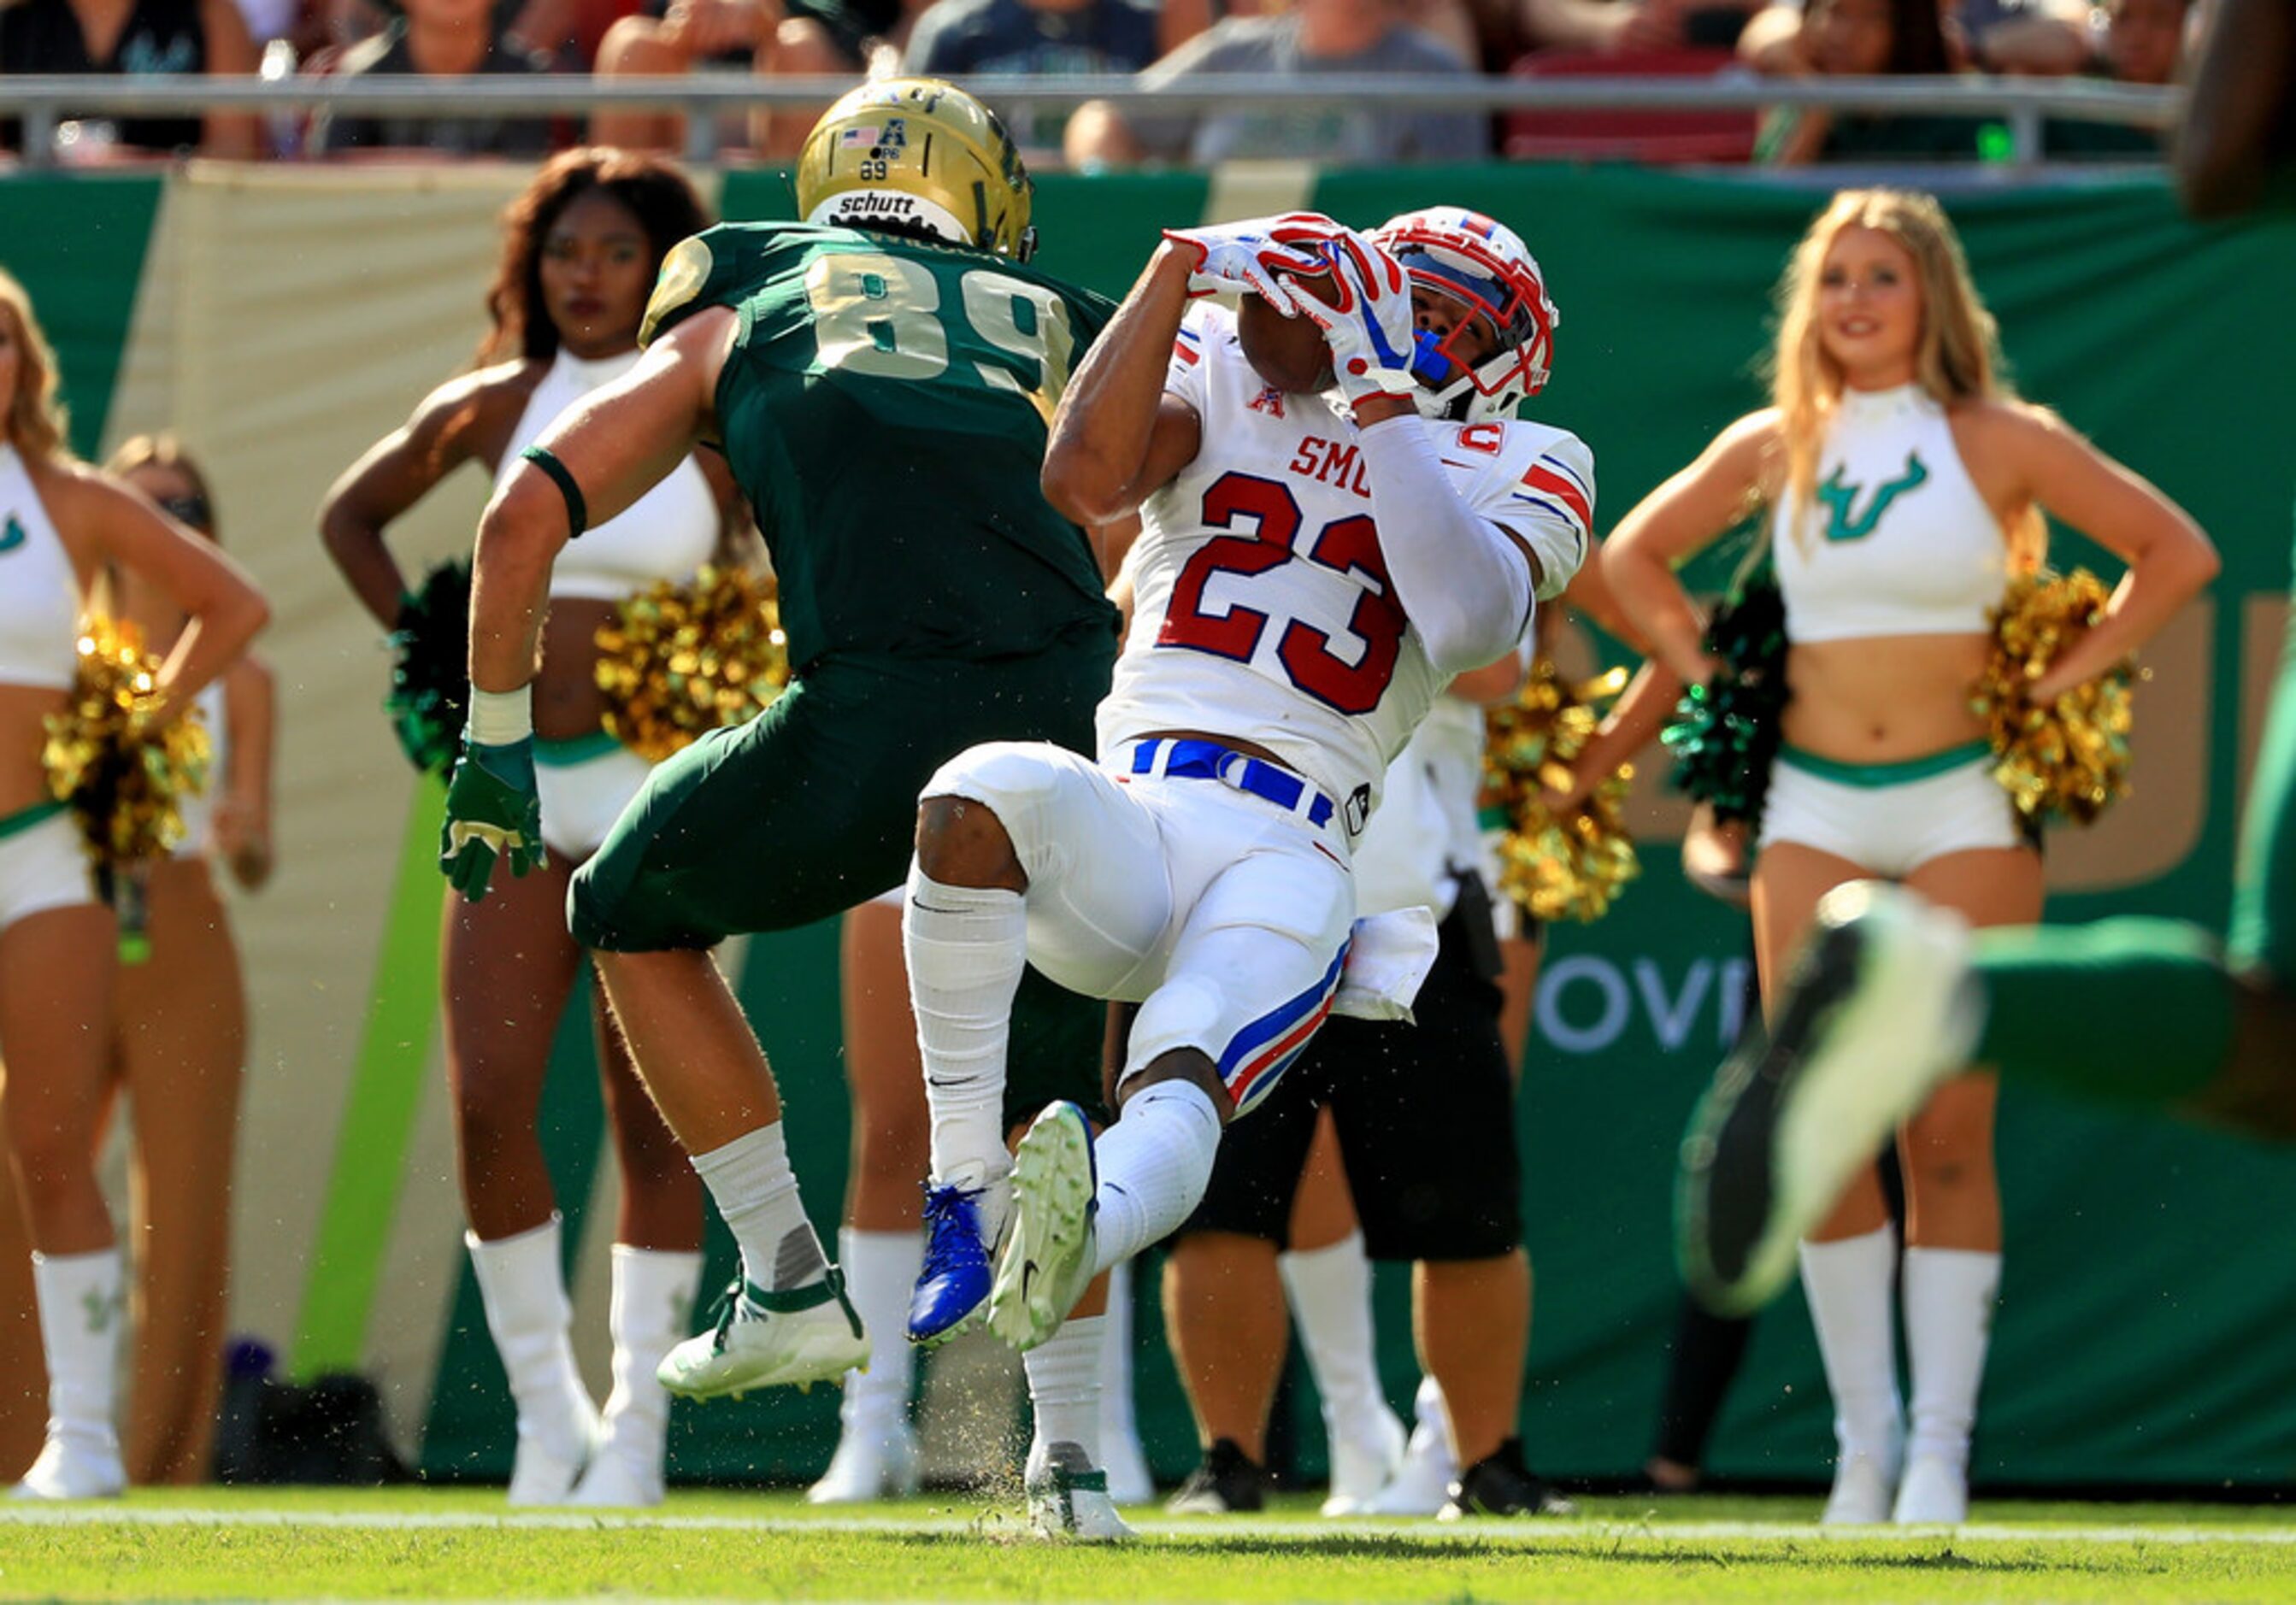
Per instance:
{"type": "Point", "coordinates": [873, 1461]}
{"type": "Point", "coordinates": [1934, 1492]}
{"type": "Point", "coordinates": [1068, 1498]}
{"type": "Point", "coordinates": [1864, 1486]}
{"type": "Point", "coordinates": [74, 1465]}
{"type": "Point", "coordinates": [797, 1336]}
{"type": "Point", "coordinates": [1047, 1259]}
{"type": "Point", "coordinates": [1361, 1468]}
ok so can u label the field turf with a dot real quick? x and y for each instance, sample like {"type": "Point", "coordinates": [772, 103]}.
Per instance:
{"type": "Point", "coordinates": [460, 1545]}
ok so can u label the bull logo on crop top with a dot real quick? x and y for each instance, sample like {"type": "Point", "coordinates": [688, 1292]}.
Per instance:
{"type": "Point", "coordinates": [1841, 498]}
{"type": "Point", "coordinates": [12, 534]}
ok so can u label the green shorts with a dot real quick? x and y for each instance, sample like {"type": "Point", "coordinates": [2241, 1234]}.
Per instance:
{"type": "Point", "coordinates": [811, 807]}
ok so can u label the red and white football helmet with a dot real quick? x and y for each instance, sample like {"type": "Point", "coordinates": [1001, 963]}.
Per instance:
{"type": "Point", "coordinates": [1485, 267]}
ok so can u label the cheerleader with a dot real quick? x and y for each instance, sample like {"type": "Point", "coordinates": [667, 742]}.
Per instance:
{"type": "Point", "coordinates": [61, 523]}
{"type": "Point", "coordinates": [1904, 484]}
{"type": "Point", "coordinates": [581, 248]}
{"type": "Point", "coordinates": [180, 1029]}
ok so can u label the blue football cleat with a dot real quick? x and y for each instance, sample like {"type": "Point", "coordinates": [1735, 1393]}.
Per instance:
{"type": "Point", "coordinates": [952, 1290]}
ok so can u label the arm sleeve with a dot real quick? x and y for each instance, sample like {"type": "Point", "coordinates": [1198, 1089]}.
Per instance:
{"type": "Point", "coordinates": [1184, 376]}
{"type": "Point", "coordinates": [1464, 585]}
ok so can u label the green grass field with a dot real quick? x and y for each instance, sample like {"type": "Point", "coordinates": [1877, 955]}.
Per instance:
{"type": "Point", "coordinates": [460, 1544]}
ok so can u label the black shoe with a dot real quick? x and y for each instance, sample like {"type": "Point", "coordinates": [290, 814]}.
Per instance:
{"type": "Point", "coordinates": [1227, 1483]}
{"type": "Point", "coordinates": [1501, 1485]}
{"type": "Point", "coordinates": [1878, 1007]}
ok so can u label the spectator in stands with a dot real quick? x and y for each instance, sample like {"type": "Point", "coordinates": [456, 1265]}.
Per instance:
{"type": "Point", "coordinates": [1314, 38]}
{"type": "Point", "coordinates": [1867, 38]}
{"type": "Point", "coordinates": [1484, 31]}
{"type": "Point", "coordinates": [136, 38]}
{"type": "Point", "coordinates": [2127, 41]}
{"type": "Point", "coordinates": [958, 39]}
{"type": "Point", "coordinates": [1993, 36]}
{"type": "Point", "coordinates": [774, 38]}
{"type": "Point", "coordinates": [1616, 27]}
{"type": "Point", "coordinates": [436, 38]}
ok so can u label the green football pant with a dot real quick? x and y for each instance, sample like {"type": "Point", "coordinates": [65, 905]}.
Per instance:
{"type": "Point", "coordinates": [2146, 1011]}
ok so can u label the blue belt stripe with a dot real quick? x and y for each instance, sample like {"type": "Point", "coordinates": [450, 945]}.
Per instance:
{"type": "Point", "coordinates": [1209, 760]}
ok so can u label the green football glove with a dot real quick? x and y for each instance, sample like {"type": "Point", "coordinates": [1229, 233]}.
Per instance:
{"type": "Point", "coordinates": [493, 810]}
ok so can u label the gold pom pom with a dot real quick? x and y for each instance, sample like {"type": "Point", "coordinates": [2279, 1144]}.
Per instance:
{"type": "Point", "coordinates": [124, 773]}
{"type": "Point", "coordinates": [679, 661]}
{"type": "Point", "coordinates": [1557, 868]}
{"type": "Point", "coordinates": [2070, 759]}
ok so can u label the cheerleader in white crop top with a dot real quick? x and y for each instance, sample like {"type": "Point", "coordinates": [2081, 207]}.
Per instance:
{"type": "Point", "coordinates": [61, 523]}
{"type": "Point", "coordinates": [581, 249]}
{"type": "Point", "coordinates": [1905, 484]}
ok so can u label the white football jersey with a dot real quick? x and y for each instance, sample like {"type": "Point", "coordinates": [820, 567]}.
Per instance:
{"type": "Point", "coordinates": [1261, 605]}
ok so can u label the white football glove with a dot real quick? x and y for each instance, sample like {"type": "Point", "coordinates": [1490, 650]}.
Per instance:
{"type": "Point", "coordinates": [1369, 326]}
{"type": "Point", "coordinates": [1246, 256]}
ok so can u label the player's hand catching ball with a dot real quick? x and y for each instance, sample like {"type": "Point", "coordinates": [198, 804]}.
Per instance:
{"type": "Point", "coordinates": [1368, 323]}
{"type": "Point", "coordinates": [1247, 256]}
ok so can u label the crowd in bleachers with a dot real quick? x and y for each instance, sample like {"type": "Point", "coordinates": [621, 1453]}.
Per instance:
{"type": "Point", "coordinates": [1172, 43]}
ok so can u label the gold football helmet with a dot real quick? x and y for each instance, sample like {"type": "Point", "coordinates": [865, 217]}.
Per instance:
{"type": "Point", "coordinates": [913, 155]}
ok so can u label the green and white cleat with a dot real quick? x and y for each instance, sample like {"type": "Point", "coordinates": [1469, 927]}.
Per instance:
{"type": "Point", "coordinates": [1880, 1008]}
{"type": "Point", "coordinates": [1068, 1498]}
{"type": "Point", "coordinates": [1046, 1258]}
{"type": "Point", "coordinates": [799, 1335]}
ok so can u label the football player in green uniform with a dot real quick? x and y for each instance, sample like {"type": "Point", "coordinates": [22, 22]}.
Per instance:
{"type": "Point", "coordinates": [880, 377]}
{"type": "Point", "coordinates": [1890, 997]}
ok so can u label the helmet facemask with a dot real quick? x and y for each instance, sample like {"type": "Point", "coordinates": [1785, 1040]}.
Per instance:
{"type": "Point", "coordinates": [1494, 285]}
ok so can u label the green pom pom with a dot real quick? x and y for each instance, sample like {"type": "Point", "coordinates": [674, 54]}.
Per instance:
{"type": "Point", "coordinates": [1727, 734]}
{"type": "Point", "coordinates": [430, 673]}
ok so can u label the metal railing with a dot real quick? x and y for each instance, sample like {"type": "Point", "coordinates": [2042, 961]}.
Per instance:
{"type": "Point", "coordinates": [2022, 105]}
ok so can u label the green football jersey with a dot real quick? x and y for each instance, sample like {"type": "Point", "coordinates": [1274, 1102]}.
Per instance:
{"type": "Point", "coordinates": [885, 408]}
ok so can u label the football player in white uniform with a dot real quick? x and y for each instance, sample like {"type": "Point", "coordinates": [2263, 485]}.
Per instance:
{"type": "Point", "coordinates": [1312, 570]}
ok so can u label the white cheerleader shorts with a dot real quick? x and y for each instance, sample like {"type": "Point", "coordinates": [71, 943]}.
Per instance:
{"type": "Point", "coordinates": [585, 783]}
{"type": "Point", "coordinates": [1218, 896]}
{"type": "Point", "coordinates": [1889, 819]}
{"type": "Point", "coordinates": [41, 863]}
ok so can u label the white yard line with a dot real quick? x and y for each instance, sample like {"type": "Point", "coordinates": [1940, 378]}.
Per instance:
{"type": "Point", "coordinates": [1309, 1532]}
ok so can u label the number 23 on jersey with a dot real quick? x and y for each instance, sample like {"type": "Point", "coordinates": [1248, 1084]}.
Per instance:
{"type": "Point", "coordinates": [1353, 683]}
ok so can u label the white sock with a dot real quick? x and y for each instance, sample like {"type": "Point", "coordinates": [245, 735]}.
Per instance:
{"type": "Point", "coordinates": [881, 1272]}
{"type": "Point", "coordinates": [1116, 1418]}
{"type": "Point", "coordinates": [1154, 1165]}
{"type": "Point", "coordinates": [83, 1305]}
{"type": "Point", "coordinates": [652, 1313]}
{"type": "Point", "coordinates": [1950, 1296]}
{"type": "Point", "coordinates": [965, 947]}
{"type": "Point", "coordinates": [1064, 1385]}
{"type": "Point", "coordinates": [756, 1191]}
{"type": "Point", "coordinates": [1430, 1429]}
{"type": "Point", "coordinates": [523, 1286]}
{"type": "Point", "coordinates": [1852, 1286]}
{"type": "Point", "coordinates": [1329, 1292]}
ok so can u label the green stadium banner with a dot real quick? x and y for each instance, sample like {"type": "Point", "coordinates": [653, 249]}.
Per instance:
{"type": "Point", "coordinates": [2143, 1331]}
